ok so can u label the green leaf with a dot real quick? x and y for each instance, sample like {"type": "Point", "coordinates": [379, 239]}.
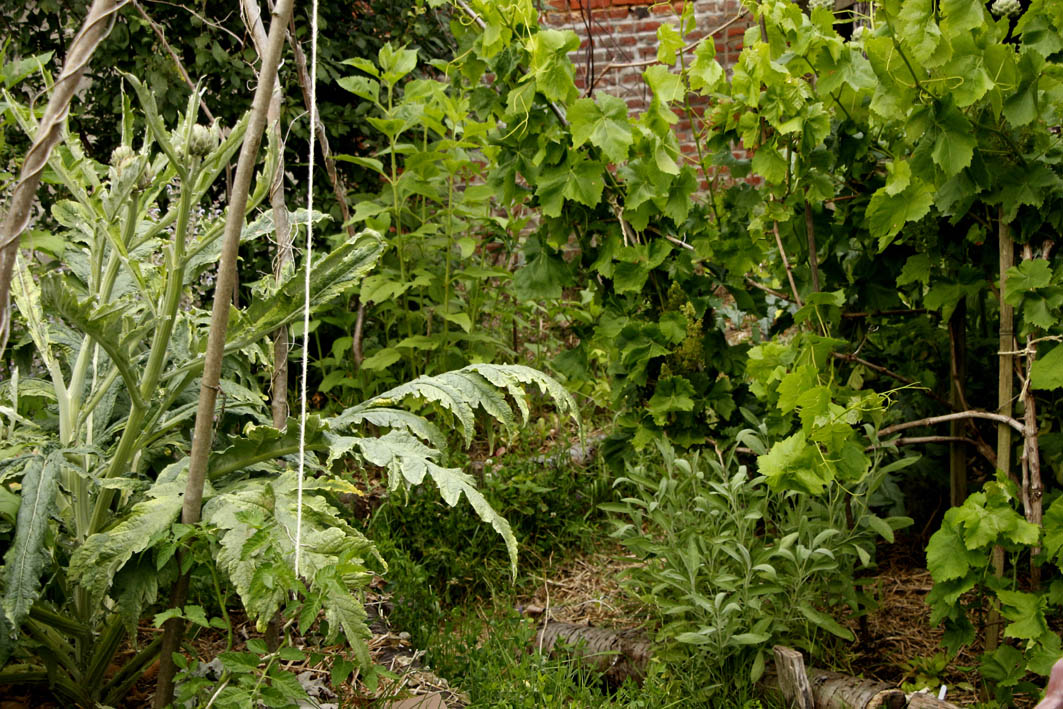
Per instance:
{"type": "Point", "coordinates": [669, 42]}
{"type": "Point", "coordinates": [671, 394]}
{"type": "Point", "coordinates": [549, 64]}
{"type": "Point", "coordinates": [95, 563]}
{"type": "Point", "coordinates": [1026, 611]}
{"type": "Point", "coordinates": [29, 552]}
{"type": "Point", "coordinates": [946, 554]}
{"type": "Point", "coordinates": [541, 278]}
{"type": "Point", "coordinates": [770, 164]}
{"type": "Point", "coordinates": [824, 621]}
{"type": "Point", "coordinates": [705, 73]}
{"type": "Point", "coordinates": [1047, 371]}
{"type": "Point", "coordinates": [604, 122]}
{"type": "Point", "coordinates": [955, 142]}
{"type": "Point", "coordinates": [361, 86]}
{"type": "Point", "coordinates": [962, 15]}
{"type": "Point", "coordinates": [887, 213]}
{"type": "Point", "coordinates": [381, 359]}
{"type": "Point", "coordinates": [915, 270]}
{"type": "Point", "coordinates": [666, 86]}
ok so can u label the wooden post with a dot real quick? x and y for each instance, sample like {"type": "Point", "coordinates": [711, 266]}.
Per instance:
{"type": "Point", "coordinates": [793, 681]}
{"type": "Point", "coordinates": [1005, 390]}
{"type": "Point", "coordinates": [958, 376]}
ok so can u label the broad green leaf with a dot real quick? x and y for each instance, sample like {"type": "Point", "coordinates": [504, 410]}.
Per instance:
{"type": "Point", "coordinates": [705, 73]}
{"type": "Point", "coordinates": [549, 64]}
{"type": "Point", "coordinates": [915, 270]}
{"type": "Point", "coordinates": [95, 563]}
{"type": "Point", "coordinates": [361, 86]}
{"type": "Point", "coordinates": [955, 142]}
{"type": "Point", "coordinates": [382, 359]}
{"type": "Point", "coordinates": [961, 15]}
{"type": "Point", "coordinates": [604, 122]}
{"type": "Point", "coordinates": [946, 554]}
{"type": "Point", "coordinates": [1047, 372]}
{"type": "Point", "coordinates": [541, 278]}
{"type": "Point", "coordinates": [666, 86]}
{"type": "Point", "coordinates": [888, 213]}
{"type": "Point", "coordinates": [669, 42]}
{"type": "Point", "coordinates": [671, 394]}
{"type": "Point", "coordinates": [1026, 611]}
{"type": "Point", "coordinates": [770, 164]}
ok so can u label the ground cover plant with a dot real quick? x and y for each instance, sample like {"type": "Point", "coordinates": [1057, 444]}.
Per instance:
{"type": "Point", "coordinates": [839, 314]}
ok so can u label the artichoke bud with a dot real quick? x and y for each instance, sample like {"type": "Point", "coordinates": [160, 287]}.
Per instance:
{"type": "Point", "coordinates": [146, 177]}
{"type": "Point", "coordinates": [122, 157]}
{"type": "Point", "coordinates": [202, 141]}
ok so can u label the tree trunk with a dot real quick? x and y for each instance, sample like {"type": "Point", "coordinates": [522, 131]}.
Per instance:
{"type": "Point", "coordinates": [1031, 453]}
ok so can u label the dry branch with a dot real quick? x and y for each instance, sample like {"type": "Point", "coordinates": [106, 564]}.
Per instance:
{"type": "Point", "coordinates": [972, 414]}
{"type": "Point", "coordinates": [97, 26]}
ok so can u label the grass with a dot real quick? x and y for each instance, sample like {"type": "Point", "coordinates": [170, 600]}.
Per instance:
{"type": "Point", "coordinates": [451, 590]}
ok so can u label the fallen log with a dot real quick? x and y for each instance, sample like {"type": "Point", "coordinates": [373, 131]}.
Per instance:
{"type": "Point", "coordinates": [811, 688]}
{"type": "Point", "coordinates": [617, 655]}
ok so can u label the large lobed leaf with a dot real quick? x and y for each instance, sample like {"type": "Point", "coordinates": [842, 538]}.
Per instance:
{"type": "Point", "coordinates": [96, 562]}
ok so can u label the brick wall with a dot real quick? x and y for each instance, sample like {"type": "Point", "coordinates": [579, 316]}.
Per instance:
{"type": "Point", "coordinates": [619, 40]}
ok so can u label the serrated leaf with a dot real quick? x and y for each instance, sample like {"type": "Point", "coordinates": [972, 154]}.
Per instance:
{"type": "Point", "coordinates": [1047, 371]}
{"type": "Point", "coordinates": [604, 122]}
{"type": "Point", "coordinates": [29, 554]}
{"type": "Point", "coordinates": [95, 563]}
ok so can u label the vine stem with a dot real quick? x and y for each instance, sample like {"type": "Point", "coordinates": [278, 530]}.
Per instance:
{"type": "Point", "coordinates": [219, 324]}
{"type": "Point", "coordinates": [786, 263]}
{"type": "Point", "coordinates": [813, 256]}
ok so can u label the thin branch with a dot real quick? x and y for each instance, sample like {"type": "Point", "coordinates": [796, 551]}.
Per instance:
{"type": "Point", "coordinates": [220, 26]}
{"type": "Point", "coordinates": [918, 440]}
{"type": "Point", "coordinates": [882, 313]}
{"type": "Point", "coordinates": [972, 414]}
{"type": "Point", "coordinates": [173, 55]}
{"type": "Point", "coordinates": [303, 75]}
{"type": "Point", "coordinates": [786, 263]}
{"type": "Point", "coordinates": [770, 291]}
{"type": "Point", "coordinates": [650, 62]}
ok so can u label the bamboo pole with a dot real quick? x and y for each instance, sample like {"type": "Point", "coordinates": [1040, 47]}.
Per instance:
{"type": "Point", "coordinates": [1005, 392]}
{"type": "Point", "coordinates": [219, 324]}
{"type": "Point", "coordinates": [958, 377]}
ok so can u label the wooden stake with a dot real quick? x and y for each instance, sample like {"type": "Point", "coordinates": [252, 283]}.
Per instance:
{"type": "Point", "coordinates": [793, 680]}
{"type": "Point", "coordinates": [219, 325]}
{"type": "Point", "coordinates": [1005, 391]}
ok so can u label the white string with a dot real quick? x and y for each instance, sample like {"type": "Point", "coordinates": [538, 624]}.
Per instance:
{"type": "Point", "coordinates": [306, 287]}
